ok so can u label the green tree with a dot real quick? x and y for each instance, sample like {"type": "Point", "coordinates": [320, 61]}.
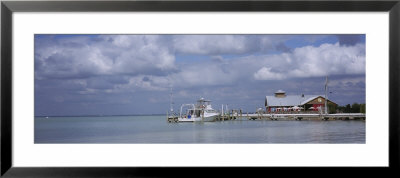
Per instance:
{"type": "Point", "coordinates": [362, 108]}
{"type": "Point", "coordinates": [332, 108]}
{"type": "Point", "coordinates": [340, 108]}
{"type": "Point", "coordinates": [347, 109]}
{"type": "Point", "coordinates": [355, 108]}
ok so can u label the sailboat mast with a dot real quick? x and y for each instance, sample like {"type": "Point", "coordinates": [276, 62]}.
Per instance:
{"type": "Point", "coordinates": [170, 97]}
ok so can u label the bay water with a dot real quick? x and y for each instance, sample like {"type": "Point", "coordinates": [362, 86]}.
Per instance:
{"type": "Point", "coordinates": [156, 129]}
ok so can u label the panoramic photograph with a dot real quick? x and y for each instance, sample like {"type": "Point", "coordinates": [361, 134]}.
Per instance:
{"type": "Point", "coordinates": [200, 88]}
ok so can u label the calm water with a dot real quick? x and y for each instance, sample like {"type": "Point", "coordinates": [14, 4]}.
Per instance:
{"type": "Point", "coordinates": [155, 129]}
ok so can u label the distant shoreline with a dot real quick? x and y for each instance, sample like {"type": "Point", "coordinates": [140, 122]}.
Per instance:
{"type": "Point", "coordinates": [105, 115]}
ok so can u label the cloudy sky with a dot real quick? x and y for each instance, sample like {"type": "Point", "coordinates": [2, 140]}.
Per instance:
{"type": "Point", "coordinates": [133, 74]}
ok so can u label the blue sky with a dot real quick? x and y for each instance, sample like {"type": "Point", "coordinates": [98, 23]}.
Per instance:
{"type": "Point", "coordinates": [132, 74]}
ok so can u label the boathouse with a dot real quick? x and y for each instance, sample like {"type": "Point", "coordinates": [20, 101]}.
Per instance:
{"type": "Point", "coordinates": [280, 102]}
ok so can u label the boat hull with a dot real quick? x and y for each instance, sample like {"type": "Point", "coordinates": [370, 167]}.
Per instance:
{"type": "Point", "coordinates": [211, 118]}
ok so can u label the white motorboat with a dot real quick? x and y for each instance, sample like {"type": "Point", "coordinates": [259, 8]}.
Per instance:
{"type": "Point", "coordinates": [199, 112]}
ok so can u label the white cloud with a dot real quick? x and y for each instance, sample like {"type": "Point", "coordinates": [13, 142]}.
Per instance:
{"type": "Point", "coordinates": [83, 57]}
{"type": "Point", "coordinates": [226, 44]}
{"type": "Point", "coordinates": [211, 44]}
{"type": "Point", "coordinates": [148, 61]}
{"type": "Point", "coordinates": [266, 74]}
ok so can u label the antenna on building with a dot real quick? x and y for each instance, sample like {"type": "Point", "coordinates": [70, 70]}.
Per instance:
{"type": "Point", "coordinates": [326, 95]}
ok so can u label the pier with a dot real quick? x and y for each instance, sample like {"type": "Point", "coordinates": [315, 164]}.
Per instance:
{"type": "Point", "coordinates": [260, 115]}
{"type": "Point", "coordinates": [238, 114]}
{"type": "Point", "coordinates": [172, 117]}
{"type": "Point", "coordinates": [312, 116]}
{"type": "Point", "coordinates": [305, 116]}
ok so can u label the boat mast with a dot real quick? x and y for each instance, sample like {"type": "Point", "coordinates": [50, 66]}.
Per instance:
{"type": "Point", "coordinates": [171, 103]}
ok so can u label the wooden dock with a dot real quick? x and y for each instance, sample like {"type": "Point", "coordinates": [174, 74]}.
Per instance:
{"type": "Point", "coordinates": [294, 116]}
{"type": "Point", "coordinates": [239, 115]}
{"type": "Point", "coordinates": [172, 117]}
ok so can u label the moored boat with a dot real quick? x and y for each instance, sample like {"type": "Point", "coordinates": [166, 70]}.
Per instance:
{"type": "Point", "coordinates": [202, 111]}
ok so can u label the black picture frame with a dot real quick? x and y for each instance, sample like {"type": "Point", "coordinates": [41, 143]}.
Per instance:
{"type": "Point", "coordinates": [8, 7]}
